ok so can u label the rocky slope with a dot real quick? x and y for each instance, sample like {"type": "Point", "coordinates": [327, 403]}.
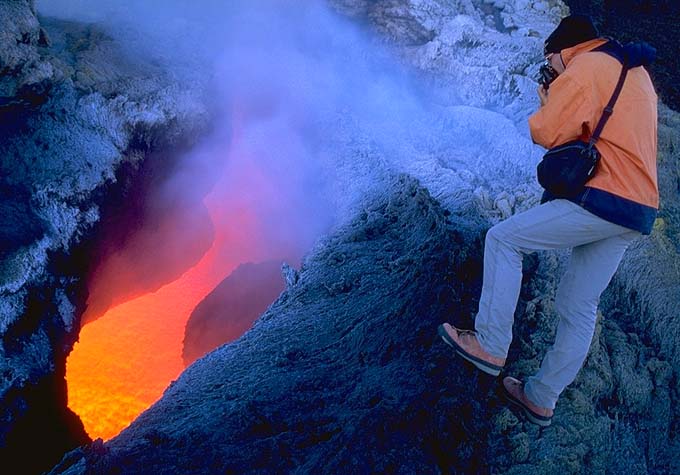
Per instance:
{"type": "Point", "coordinates": [345, 373]}
{"type": "Point", "coordinates": [331, 377]}
{"type": "Point", "coordinates": [231, 308]}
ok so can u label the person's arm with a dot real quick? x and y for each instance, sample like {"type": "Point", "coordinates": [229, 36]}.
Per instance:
{"type": "Point", "coordinates": [564, 112]}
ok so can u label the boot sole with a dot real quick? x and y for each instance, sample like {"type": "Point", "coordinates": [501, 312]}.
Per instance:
{"type": "Point", "coordinates": [488, 368]}
{"type": "Point", "coordinates": [531, 415]}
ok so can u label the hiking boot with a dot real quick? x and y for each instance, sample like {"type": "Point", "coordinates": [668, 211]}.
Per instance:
{"type": "Point", "coordinates": [465, 343]}
{"type": "Point", "coordinates": [514, 391]}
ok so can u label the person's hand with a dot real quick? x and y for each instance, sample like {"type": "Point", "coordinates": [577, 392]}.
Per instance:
{"type": "Point", "coordinates": [542, 95]}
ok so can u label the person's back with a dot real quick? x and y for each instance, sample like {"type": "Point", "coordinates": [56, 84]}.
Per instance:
{"type": "Point", "coordinates": [628, 142]}
{"type": "Point", "coordinates": [624, 190]}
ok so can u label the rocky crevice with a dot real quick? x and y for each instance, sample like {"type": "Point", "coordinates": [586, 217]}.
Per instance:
{"type": "Point", "coordinates": [73, 130]}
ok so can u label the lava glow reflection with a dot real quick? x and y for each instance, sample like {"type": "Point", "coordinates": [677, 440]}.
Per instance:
{"type": "Point", "coordinates": [266, 205]}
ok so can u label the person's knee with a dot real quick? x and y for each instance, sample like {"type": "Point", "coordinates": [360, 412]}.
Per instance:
{"type": "Point", "coordinates": [562, 299]}
{"type": "Point", "coordinates": [504, 236]}
{"type": "Point", "coordinates": [579, 314]}
{"type": "Point", "coordinates": [569, 302]}
{"type": "Point", "coordinates": [497, 233]}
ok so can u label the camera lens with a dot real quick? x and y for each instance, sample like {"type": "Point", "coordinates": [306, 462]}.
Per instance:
{"type": "Point", "coordinates": [547, 74]}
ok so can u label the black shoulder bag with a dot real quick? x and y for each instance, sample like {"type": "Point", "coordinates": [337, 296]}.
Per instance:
{"type": "Point", "coordinates": [565, 169]}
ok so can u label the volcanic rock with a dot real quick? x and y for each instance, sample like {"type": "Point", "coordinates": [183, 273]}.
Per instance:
{"type": "Point", "coordinates": [344, 372]}
{"type": "Point", "coordinates": [229, 310]}
{"type": "Point", "coordinates": [24, 72]}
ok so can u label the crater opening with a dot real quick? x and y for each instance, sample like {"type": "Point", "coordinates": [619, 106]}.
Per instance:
{"type": "Point", "coordinates": [223, 220]}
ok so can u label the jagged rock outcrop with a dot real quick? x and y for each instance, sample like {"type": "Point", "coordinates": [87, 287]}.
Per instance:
{"type": "Point", "coordinates": [231, 308]}
{"type": "Point", "coordinates": [24, 72]}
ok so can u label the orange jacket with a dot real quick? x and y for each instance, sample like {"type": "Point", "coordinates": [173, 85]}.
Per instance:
{"type": "Point", "coordinates": [626, 173]}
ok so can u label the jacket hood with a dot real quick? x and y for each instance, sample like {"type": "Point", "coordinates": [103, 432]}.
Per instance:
{"type": "Point", "coordinates": [639, 54]}
{"type": "Point", "coordinates": [569, 53]}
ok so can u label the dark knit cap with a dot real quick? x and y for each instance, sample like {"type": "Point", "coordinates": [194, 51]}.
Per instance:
{"type": "Point", "coordinates": [571, 31]}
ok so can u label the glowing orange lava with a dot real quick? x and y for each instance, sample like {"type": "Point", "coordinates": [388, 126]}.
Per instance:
{"type": "Point", "coordinates": [125, 359]}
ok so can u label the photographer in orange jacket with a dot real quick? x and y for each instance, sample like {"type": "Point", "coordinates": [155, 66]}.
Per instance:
{"type": "Point", "coordinates": [618, 204]}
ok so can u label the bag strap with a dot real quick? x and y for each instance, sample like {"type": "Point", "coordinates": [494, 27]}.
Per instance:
{"type": "Point", "coordinates": [609, 108]}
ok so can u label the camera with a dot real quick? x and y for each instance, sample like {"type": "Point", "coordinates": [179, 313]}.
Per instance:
{"type": "Point", "coordinates": [547, 74]}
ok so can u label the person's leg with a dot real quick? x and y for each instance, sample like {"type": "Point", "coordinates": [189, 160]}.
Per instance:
{"type": "Point", "coordinates": [553, 225]}
{"type": "Point", "coordinates": [589, 272]}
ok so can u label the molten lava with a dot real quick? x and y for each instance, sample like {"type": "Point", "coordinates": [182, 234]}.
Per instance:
{"type": "Point", "coordinates": [125, 359]}
{"type": "Point", "coordinates": [264, 206]}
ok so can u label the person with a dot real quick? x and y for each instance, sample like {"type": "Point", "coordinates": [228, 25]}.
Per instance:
{"type": "Point", "coordinates": [618, 205]}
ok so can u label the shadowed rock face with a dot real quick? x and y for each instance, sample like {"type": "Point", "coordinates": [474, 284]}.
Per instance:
{"type": "Point", "coordinates": [229, 310]}
{"type": "Point", "coordinates": [23, 73]}
{"type": "Point", "coordinates": [19, 225]}
{"type": "Point", "coordinates": [643, 20]}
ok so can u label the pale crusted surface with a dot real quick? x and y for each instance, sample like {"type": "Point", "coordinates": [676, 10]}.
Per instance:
{"type": "Point", "coordinates": [20, 34]}
{"type": "Point", "coordinates": [81, 134]}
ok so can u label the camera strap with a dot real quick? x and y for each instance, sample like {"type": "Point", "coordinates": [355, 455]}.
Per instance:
{"type": "Point", "coordinates": [609, 108]}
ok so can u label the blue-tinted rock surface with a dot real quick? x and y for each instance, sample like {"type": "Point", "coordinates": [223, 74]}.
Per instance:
{"type": "Point", "coordinates": [343, 373]}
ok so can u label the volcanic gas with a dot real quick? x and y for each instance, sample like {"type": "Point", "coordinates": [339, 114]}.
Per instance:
{"type": "Point", "coordinates": [262, 187]}
{"type": "Point", "coordinates": [126, 358]}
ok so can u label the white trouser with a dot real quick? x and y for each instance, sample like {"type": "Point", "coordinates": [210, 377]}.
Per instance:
{"type": "Point", "coordinates": [597, 247]}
